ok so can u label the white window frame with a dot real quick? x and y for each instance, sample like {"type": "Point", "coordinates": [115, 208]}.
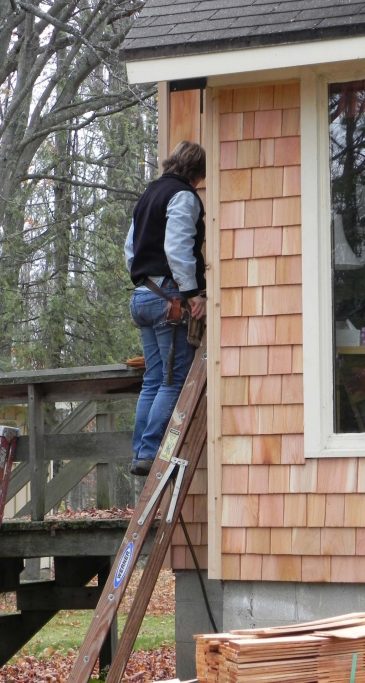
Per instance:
{"type": "Point", "coordinates": [319, 437]}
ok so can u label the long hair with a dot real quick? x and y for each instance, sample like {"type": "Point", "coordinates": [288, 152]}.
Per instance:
{"type": "Point", "coordinates": [187, 160]}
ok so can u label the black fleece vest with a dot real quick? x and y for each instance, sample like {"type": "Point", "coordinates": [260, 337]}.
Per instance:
{"type": "Point", "coordinates": [150, 219]}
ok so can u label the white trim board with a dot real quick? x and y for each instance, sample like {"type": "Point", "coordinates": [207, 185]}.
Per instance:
{"type": "Point", "coordinates": [319, 437]}
{"type": "Point", "coordinates": [214, 409]}
{"type": "Point", "coordinates": [246, 60]}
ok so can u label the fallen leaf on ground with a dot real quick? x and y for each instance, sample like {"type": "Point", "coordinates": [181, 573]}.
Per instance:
{"type": "Point", "coordinates": [143, 667]}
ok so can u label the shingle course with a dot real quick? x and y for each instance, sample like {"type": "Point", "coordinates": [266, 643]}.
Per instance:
{"type": "Point", "coordinates": [248, 32]}
{"type": "Point", "coordinates": [272, 18]}
{"type": "Point", "coordinates": [343, 11]}
{"type": "Point", "coordinates": [194, 26]}
{"type": "Point", "coordinates": [314, 4]}
{"type": "Point", "coordinates": [217, 4]}
{"type": "Point", "coordinates": [338, 21]}
{"type": "Point", "coordinates": [204, 18]}
{"type": "Point", "coordinates": [173, 14]}
{"type": "Point", "coordinates": [153, 31]}
{"type": "Point", "coordinates": [164, 3]}
{"type": "Point", "coordinates": [250, 10]}
{"type": "Point", "coordinates": [212, 26]}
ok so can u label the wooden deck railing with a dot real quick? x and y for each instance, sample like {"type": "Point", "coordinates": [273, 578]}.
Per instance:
{"type": "Point", "coordinates": [81, 548]}
{"type": "Point", "coordinates": [97, 389]}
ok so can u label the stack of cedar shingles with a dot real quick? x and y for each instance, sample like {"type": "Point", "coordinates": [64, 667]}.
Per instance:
{"type": "Point", "coordinates": [325, 651]}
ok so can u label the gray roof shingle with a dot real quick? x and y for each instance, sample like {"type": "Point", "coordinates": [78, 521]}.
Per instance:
{"type": "Point", "coordinates": [182, 27]}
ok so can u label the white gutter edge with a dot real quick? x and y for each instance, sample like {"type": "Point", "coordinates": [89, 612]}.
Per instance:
{"type": "Point", "coordinates": [246, 60]}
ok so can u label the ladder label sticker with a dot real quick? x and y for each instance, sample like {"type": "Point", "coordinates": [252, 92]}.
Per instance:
{"type": "Point", "coordinates": [123, 565]}
{"type": "Point", "coordinates": [170, 445]}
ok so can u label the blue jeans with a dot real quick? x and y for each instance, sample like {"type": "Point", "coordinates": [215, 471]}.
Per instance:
{"type": "Point", "coordinates": [157, 398]}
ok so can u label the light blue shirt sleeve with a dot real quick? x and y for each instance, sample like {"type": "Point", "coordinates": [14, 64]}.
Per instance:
{"type": "Point", "coordinates": [128, 247]}
{"type": "Point", "coordinates": [182, 215]}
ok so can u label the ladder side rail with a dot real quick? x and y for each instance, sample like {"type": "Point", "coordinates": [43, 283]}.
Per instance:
{"type": "Point", "coordinates": [155, 560]}
{"type": "Point", "coordinates": [112, 594]}
{"type": "Point", "coordinates": [115, 587]}
{"type": "Point", "coordinates": [129, 551]}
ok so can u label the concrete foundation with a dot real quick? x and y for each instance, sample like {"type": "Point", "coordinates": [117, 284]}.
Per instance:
{"type": "Point", "coordinates": [191, 617]}
{"type": "Point", "coordinates": [250, 604]}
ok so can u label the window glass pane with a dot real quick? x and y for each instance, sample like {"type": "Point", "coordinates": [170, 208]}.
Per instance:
{"type": "Point", "coordinates": [347, 169]}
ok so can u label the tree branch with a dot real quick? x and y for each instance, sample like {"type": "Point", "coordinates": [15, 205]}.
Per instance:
{"type": "Point", "coordinates": [82, 108]}
{"type": "Point", "coordinates": [14, 6]}
{"type": "Point", "coordinates": [80, 183]}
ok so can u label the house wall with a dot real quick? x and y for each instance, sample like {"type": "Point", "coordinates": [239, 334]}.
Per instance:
{"type": "Point", "coordinates": [279, 517]}
{"type": "Point", "coordinates": [284, 518]}
{"type": "Point", "coordinates": [264, 520]}
{"type": "Point", "coordinates": [260, 359]}
{"type": "Point", "coordinates": [280, 525]}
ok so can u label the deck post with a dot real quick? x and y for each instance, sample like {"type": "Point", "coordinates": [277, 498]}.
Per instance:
{"type": "Point", "coordinates": [104, 423]}
{"type": "Point", "coordinates": [36, 452]}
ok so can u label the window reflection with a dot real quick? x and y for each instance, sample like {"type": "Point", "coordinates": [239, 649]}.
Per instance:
{"type": "Point", "coordinates": [347, 171]}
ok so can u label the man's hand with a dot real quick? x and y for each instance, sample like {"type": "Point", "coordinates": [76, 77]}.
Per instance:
{"type": "Point", "coordinates": [198, 306]}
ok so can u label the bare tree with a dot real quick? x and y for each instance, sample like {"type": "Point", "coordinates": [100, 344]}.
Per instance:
{"type": "Point", "coordinates": [60, 72]}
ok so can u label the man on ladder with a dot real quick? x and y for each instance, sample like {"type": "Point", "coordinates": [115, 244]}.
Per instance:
{"type": "Point", "coordinates": [164, 257]}
{"type": "Point", "coordinates": [163, 253]}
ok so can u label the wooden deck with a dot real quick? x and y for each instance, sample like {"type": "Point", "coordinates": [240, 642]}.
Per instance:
{"type": "Point", "coordinates": [79, 537]}
{"type": "Point", "coordinates": [81, 548]}
{"type": "Point", "coordinates": [76, 384]}
{"type": "Point", "coordinates": [97, 389]}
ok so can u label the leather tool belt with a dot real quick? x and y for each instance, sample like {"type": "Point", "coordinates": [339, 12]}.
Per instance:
{"type": "Point", "coordinates": [179, 313]}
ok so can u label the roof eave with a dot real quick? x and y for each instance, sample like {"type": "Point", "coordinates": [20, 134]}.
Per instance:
{"type": "Point", "coordinates": [246, 60]}
{"type": "Point", "coordinates": [220, 45]}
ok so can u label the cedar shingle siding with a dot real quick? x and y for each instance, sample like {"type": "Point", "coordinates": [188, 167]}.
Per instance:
{"type": "Point", "coordinates": [278, 516]}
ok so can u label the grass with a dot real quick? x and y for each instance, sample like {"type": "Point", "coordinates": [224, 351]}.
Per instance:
{"type": "Point", "coordinates": [64, 634]}
{"type": "Point", "coordinates": [66, 631]}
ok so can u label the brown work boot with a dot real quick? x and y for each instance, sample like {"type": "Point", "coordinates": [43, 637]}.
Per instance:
{"type": "Point", "coordinates": [140, 468]}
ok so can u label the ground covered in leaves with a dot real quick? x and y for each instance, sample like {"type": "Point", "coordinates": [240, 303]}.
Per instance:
{"type": "Point", "coordinates": [144, 666]}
